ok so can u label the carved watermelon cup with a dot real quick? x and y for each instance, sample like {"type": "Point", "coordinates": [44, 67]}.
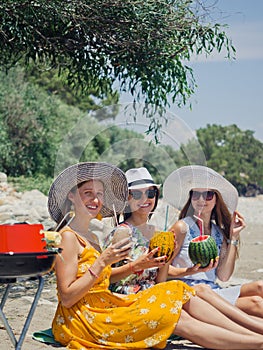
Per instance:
{"type": "Point", "coordinates": [202, 249]}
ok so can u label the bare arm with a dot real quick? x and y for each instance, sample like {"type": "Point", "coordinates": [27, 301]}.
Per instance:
{"type": "Point", "coordinates": [163, 273]}
{"type": "Point", "coordinates": [179, 272]}
{"type": "Point", "coordinates": [71, 289]}
{"type": "Point", "coordinates": [179, 229]}
{"type": "Point", "coordinates": [228, 253]}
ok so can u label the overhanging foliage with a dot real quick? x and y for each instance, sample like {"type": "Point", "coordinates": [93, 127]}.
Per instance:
{"type": "Point", "coordinates": [142, 44]}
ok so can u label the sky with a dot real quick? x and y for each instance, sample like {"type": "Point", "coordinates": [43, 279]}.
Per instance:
{"type": "Point", "coordinates": [231, 92]}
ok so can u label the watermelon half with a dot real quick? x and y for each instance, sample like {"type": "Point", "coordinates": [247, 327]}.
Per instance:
{"type": "Point", "coordinates": [202, 249]}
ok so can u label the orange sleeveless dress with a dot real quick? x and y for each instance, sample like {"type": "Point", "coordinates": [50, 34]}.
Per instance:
{"type": "Point", "coordinates": [103, 320]}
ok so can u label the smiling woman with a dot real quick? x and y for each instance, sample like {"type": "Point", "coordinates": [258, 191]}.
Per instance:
{"type": "Point", "coordinates": [208, 203]}
{"type": "Point", "coordinates": [114, 190]}
{"type": "Point", "coordinates": [140, 270]}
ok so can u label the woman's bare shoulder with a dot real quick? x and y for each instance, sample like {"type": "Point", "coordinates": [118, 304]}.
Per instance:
{"type": "Point", "coordinates": [68, 237]}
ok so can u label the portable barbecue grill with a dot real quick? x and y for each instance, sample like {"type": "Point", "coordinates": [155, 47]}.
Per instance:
{"type": "Point", "coordinates": [23, 253]}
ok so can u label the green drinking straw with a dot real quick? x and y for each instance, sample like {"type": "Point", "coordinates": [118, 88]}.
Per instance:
{"type": "Point", "coordinates": [166, 218]}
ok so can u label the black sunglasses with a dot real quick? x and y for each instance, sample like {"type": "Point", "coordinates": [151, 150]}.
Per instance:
{"type": "Point", "coordinates": [138, 194]}
{"type": "Point", "coordinates": [207, 195]}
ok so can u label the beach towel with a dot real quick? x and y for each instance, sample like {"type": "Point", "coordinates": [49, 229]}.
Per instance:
{"type": "Point", "coordinates": [46, 336]}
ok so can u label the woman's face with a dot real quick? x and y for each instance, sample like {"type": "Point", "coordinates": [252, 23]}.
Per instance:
{"type": "Point", "coordinates": [142, 200]}
{"type": "Point", "coordinates": [88, 198]}
{"type": "Point", "coordinates": [203, 200]}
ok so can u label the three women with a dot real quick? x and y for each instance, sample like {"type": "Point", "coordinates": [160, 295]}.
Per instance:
{"type": "Point", "coordinates": [88, 314]}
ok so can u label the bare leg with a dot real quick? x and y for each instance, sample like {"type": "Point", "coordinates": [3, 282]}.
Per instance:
{"type": "Point", "coordinates": [234, 313]}
{"type": "Point", "coordinates": [214, 337]}
{"type": "Point", "coordinates": [203, 311]}
{"type": "Point", "coordinates": [251, 289]}
{"type": "Point", "coordinates": [251, 298]}
{"type": "Point", "coordinates": [251, 305]}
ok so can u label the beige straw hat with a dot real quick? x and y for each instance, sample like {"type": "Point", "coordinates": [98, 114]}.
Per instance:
{"type": "Point", "coordinates": [113, 178]}
{"type": "Point", "coordinates": [180, 182]}
{"type": "Point", "coordinates": [139, 178]}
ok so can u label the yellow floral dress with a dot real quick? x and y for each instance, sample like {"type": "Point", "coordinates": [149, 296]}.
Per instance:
{"type": "Point", "coordinates": [103, 320]}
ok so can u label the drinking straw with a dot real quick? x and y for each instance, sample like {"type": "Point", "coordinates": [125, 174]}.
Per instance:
{"type": "Point", "coordinates": [115, 215]}
{"type": "Point", "coordinates": [200, 223]}
{"type": "Point", "coordinates": [166, 218]}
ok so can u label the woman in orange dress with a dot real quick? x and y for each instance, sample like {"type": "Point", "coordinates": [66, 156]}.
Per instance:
{"type": "Point", "coordinates": [88, 314]}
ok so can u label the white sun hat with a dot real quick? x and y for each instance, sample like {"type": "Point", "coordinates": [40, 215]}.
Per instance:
{"type": "Point", "coordinates": [181, 181]}
{"type": "Point", "coordinates": [113, 179]}
{"type": "Point", "coordinates": [139, 178]}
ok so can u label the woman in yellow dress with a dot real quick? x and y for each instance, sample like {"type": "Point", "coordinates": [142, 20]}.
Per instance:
{"type": "Point", "coordinates": [88, 315]}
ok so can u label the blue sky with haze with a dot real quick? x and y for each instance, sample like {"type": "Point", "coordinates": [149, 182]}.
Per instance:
{"type": "Point", "coordinates": [230, 92]}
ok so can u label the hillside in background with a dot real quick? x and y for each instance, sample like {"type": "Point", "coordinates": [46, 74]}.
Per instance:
{"type": "Point", "coordinates": [37, 112]}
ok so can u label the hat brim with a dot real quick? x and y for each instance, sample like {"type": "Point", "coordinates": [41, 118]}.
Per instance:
{"type": "Point", "coordinates": [113, 179]}
{"type": "Point", "coordinates": [146, 185]}
{"type": "Point", "coordinates": [180, 182]}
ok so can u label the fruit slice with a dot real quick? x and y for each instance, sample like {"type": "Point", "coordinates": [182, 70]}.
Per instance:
{"type": "Point", "coordinates": [52, 238]}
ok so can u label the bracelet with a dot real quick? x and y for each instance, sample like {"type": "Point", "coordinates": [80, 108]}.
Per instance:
{"type": "Point", "coordinates": [93, 273]}
{"type": "Point", "coordinates": [233, 242]}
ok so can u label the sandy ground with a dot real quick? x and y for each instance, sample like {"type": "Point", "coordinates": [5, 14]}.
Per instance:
{"type": "Point", "coordinates": [249, 267]}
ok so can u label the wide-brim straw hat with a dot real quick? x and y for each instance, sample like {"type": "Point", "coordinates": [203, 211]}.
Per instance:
{"type": "Point", "coordinates": [113, 179]}
{"type": "Point", "coordinates": [180, 182]}
{"type": "Point", "coordinates": [139, 178]}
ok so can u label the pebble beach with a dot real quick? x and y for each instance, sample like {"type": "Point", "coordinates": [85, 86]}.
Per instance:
{"type": "Point", "coordinates": [31, 207]}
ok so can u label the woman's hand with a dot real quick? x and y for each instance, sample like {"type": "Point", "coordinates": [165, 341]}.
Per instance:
{"type": "Point", "coordinates": [116, 252]}
{"type": "Point", "coordinates": [147, 261]}
{"type": "Point", "coordinates": [237, 225]}
{"type": "Point", "coordinates": [197, 268]}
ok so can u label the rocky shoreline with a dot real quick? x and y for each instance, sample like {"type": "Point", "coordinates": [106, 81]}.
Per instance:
{"type": "Point", "coordinates": [29, 206]}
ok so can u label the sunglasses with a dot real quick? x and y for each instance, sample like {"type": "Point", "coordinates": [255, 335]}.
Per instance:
{"type": "Point", "coordinates": [207, 195]}
{"type": "Point", "coordinates": [138, 194]}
